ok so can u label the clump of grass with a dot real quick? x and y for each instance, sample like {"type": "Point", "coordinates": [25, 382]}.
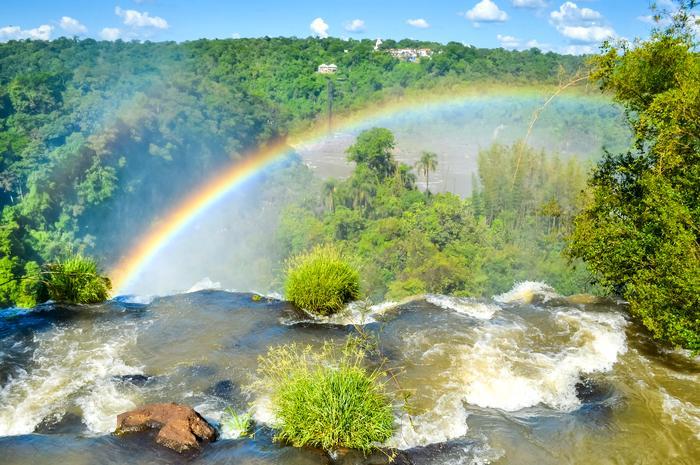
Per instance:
{"type": "Point", "coordinates": [237, 424]}
{"type": "Point", "coordinates": [326, 398]}
{"type": "Point", "coordinates": [321, 281]}
{"type": "Point", "coordinates": [76, 279]}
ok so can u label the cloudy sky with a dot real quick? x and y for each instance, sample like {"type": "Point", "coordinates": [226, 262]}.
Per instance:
{"type": "Point", "coordinates": [563, 26]}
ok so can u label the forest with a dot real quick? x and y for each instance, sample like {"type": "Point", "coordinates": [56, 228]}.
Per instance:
{"type": "Point", "coordinates": [325, 250]}
{"type": "Point", "coordinates": [409, 242]}
{"type": "Point", "coordinates": [93, 135]}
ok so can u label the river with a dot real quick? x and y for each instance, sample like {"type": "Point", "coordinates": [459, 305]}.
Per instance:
{"type": "Point", "coordinates": [527, 377]}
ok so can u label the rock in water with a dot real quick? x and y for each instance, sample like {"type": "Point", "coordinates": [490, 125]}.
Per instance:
{"type": "Point", "coordinates": [181, 428]}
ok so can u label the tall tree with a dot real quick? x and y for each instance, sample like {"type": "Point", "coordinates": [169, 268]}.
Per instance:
{"type": "Point", "coordinates": [640, 233]}
{"type": "Point", "coordinates": [373, 148]}
{"type": "Point", "coordinates": [428, 162]}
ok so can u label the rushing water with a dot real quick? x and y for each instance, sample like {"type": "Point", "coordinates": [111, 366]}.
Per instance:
{"type": "Point", "coordinates": [528, 377]}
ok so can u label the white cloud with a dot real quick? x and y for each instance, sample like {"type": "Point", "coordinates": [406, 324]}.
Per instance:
{"type": "Point", "coordinates": [514, 43]}
{"type": "Point", "coordinates": [587, 34]}
{"type": "Point", "coordinates": [577, 49]}
{"type": "Point", "coordinates": [135, 18]}
{"type": "Point", "coordinates": [418, 22]}
{"type": "Point", "coordinates": [236, 35]}
{"type": "Point", "coordinates": [356, 25]}
{"type": "Point", "coordinates": [569, 12]}
{"type": "Point", "coordinates": [42, 32]}
{"type": "Point", "coordinates": [536, 44]}
{"type": "Point", "coordinates": [508, 41]}
{"type": "Point", "coordinates": [486, 11]}
{"type": "Point", "coordinates": [581, 25]}
{"type": "Point", "coordinates": [110, 33]}
{"type": "Point", "coordinates": [72, 25]}
{"type": "Point", "coordinates": [319, 27]}
{"type": "Point", "coordinates": [529, 3]}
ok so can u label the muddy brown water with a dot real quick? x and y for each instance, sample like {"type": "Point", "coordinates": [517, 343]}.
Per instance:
{"type": "Point", "coordinates": [528, 377]}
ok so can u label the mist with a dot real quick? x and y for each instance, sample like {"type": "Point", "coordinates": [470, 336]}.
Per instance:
{"type": "Point", "coordinates": [234, 246]}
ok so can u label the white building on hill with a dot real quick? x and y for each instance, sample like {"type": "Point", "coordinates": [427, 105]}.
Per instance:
{"type": "Point", "coordinates": [327, 69]}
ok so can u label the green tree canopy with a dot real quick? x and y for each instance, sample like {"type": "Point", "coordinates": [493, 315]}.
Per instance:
{"type": "Point", "coordinates": [640, 233]}
{"type": "Point", "coordinates": [373, 148]}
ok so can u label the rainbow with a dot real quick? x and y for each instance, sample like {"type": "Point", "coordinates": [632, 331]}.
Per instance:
{"type": "Point", "coordinates": [199, 201]}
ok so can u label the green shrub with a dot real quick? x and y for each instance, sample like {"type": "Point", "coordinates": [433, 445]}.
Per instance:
{"type": "Point", "coordinates": [76, 280]}
{"type": "Point", "coordinates": [325, 399]}
{"type": "Point", "coordinates": [321, 281]}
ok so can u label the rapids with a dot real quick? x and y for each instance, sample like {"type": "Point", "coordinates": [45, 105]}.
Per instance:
{"type": "Point", "coordinates": [528, 377]}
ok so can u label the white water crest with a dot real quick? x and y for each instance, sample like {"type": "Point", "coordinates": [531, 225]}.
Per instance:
{"type": "Point", "coordinates": [525, 293]}
{"type": "Point", "coordinates": [447, 420]}
{"type": "Point", "coordinates": [355, 313]}
{"type": "Point", "coordinates": [204, 284]}
{"type": "Point", "coordinates": [136, 299]}
{"type": "Point", "coordinates": [70, 366]}
{"type": "Point", "coordinates": [504, 370]}
{"type": "Point", "coordinates": [681, 412]}
{"type": "Point", "coordinates": [463, 305]}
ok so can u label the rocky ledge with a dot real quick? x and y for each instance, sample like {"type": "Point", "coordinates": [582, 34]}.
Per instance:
{"type": "Point", "coordinates": [180, 427]}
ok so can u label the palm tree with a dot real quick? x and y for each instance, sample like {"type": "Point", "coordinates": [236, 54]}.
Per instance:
{"type": "Point", "coordinates": [329, 188]}
{"type": "Point", "coordinates": [428, 162]}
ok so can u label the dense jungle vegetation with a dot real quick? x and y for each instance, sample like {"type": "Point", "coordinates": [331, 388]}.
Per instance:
{"type": "Point", "coordinates": [640, 232]}
{"type": "Point", "coordinates": [94, 135]}
{"type": "Point", "coordinates": [409, 242]}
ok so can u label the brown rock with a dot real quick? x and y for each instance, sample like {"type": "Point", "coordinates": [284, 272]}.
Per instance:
{"type": "Point", "coordinates": [181, 428]}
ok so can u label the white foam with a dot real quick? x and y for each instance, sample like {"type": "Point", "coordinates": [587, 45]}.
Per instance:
{"type": "Point", "coordinates": [136, 299]}
{"type": "Point", "coordinates": [263, 412]}
{"type": "Point", "coordinates": [525, 292]}
{"type": "Point", "coordinates": [102, 404]}
{"type": "Point", "coordinates": [463, 305]}
{"type": "Point", "coordinates": [447, 420]}
{"type": "Point", "coordinates": [355, 313]}
{"type": "Point", "coordinates": [501, 371]}
{"type": "Point", "coordinates": [204, 284]}
{"type": "Point", "coordinates": [681, 412]}
{"type": "Point", "coordinates": [69, 366]}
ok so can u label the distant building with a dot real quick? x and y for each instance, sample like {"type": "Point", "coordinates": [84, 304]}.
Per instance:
{"type": "Point", "coordinates": [327, 69]}
{"type": "Point", "coordinates": [410, 54]}
{"type": "Point", "coordinates": [377, 45]}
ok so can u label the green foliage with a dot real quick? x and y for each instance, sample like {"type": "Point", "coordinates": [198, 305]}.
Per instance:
{"type": "Point", "coordinates": [321, 281]}
{"type": "Point", "coordinates": [237, 424]}
{"type": "Point", "coordinates": [76, 280]}
{"type": "Point", "coordinates": [373, 148]}
{"type": "Point", "coordinates": [94, 135]}
{"type": "Point", "coordinates": [639, 233]}
{"type": "Point", "coordinates": [408, 243]}
{"type": "Point", "coordinates": [19, 275]}
{"type": "Point", "coordinates": [326, 398]}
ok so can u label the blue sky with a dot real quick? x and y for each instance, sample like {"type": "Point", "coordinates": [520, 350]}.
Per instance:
{"type": "Point", "coordinates": [563, 26]}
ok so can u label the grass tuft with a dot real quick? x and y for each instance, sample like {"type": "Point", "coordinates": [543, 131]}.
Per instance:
{"type": "Point", "coordinates": [321, 281]}
{"type": "Point", "coordinates": [327, 399]}
{"type": "Point", "coordinates": [235, 424]}
{"type": "Point", "coordinates": [76, 280]}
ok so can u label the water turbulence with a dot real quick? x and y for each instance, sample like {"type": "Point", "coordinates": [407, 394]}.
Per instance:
{"type": "Point", "coordinates": [529, 377]}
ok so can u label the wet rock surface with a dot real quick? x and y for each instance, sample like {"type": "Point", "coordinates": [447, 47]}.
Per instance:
{"type": "Point", "coordinates": [136, 380]}
{"type": "Point", "coordinates": [69, 423]}
{"type": "Point", "coordinates": [591, 391]}
{"type": "Point", "coordinates": [180, 427]}
{"type": "Point", "coordinates": [225, 389]}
